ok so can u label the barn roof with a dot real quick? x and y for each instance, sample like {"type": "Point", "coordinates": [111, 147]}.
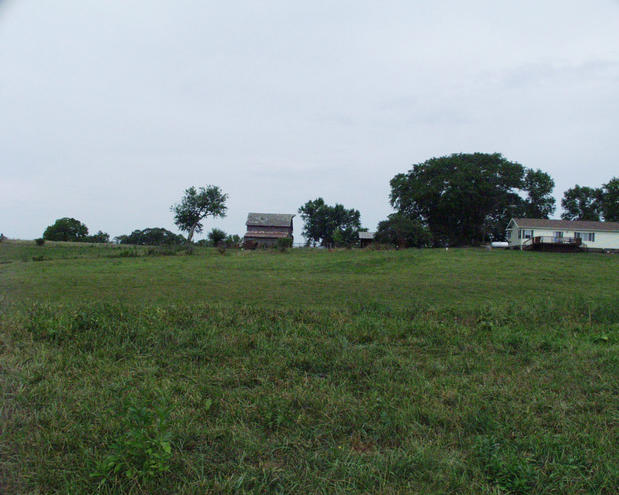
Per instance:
{"type": "Point", "coordinates": [269, 219]}
{"type": "Point", "coordinates": [542, 223]}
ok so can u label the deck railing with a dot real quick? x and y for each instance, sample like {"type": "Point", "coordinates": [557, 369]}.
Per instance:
{"type": "Point", "coordinates": [547, 239]}
{"type": "Point", "coordinates": [551, 240]}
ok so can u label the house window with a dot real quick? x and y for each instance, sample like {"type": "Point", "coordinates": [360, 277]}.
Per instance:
{"type": "Point", "coordinates": [526, 234]}
{"type": "Point", "coordinates": [585, 236]}
{"type": "Point", "coordinates": [558, 235]}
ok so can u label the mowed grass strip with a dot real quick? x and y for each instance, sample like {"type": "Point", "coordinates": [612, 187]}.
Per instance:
{"type": "Point", "coordinates": [384, 388]}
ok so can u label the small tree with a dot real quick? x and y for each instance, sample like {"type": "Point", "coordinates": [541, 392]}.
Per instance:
{"type": "Point", "coordinates": [233, 241]}
{"type": "Point", "coordinates": [322, 222]}
{"type": "Point", "coordinates": [66, 229]}
{"type": "Point", "coordinates": [402, 231]}
{"type": "Point", "coordinates": [196, 206]}
{"type": "Point", "coordinates": [216, 236]}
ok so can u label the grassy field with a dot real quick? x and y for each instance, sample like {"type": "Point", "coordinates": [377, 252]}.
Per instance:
{"type": "Point", "coordinates": [418, 371]}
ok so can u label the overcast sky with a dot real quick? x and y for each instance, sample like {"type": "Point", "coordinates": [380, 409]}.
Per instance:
{"type": "Point", "coordinates": [110, 109]}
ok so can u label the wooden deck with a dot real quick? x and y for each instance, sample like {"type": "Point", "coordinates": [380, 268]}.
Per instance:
{"type": "Point", "coordinates": [548, 243]}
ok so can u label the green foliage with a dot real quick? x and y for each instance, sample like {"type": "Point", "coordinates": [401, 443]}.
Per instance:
{"type": "Point", "coordinates": [143, 451]}
{"type": "Point", "coordinates": [196, 205]}
{"type": "Point", "coordinates": [401, 231]}
{"type": "Point", "coordinates": [284, 243]}
{"type": "Point", "coordinates": [66, 229]}
{"type": "Point", "coordinates": [233, 241]}
{"type": "Point", "coordinates": [99, 237]}
{"type": "Point", "coordinates": [322, 222]}
{"type": "Point", "coordinates": [609, 200]}
{"type": "Point", "coordinates": [581, 203]}
{"type": "Point", "coordinates": [216, 237]}
{"type": "Point", "coordinates": [155, 236]}
{"type": "Point", "coordinates": [40, 241]}
{"type": "Point", "coordinates": [539, 203]}
{"type": "Point", "coordinates": [470, 198]}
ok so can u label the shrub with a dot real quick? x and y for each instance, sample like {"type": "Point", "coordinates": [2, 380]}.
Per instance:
{"type": "Point", "coordinates": [99, 237]}
{"type": "Point", "coordinates": [284, 243]}
{"type": "Point", "coordinates": [250, 245]}
{"type": "Point", "coordinates": [40, 241]}
{"type": "Point", "coordinates": [216, 237]}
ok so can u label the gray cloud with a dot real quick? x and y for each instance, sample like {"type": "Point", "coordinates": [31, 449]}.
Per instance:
{"type": "Point", "coordinates": [109, 110]}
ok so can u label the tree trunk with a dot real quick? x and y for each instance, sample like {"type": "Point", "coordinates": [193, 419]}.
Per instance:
{"type": "Point", "coordinates": [190, 235]}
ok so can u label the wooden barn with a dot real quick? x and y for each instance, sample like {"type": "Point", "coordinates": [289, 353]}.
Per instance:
{"type": "Point", "coordinates": [264, 229]}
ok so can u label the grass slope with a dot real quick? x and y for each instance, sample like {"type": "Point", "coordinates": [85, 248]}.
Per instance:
{"type": "Point", "coordinates": [428, 371]}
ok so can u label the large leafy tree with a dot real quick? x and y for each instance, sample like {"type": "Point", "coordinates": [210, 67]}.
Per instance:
{"type": "Point", "coordinates": [66, 229]}
{"type": "Point", "coordinates": [462, 198]}
{"type": "Point", "coordinates": [325, 224]}
{"type": "Point", "coordinates": [581, 203]}
{"type": "Point", "coordinates": [609, 200]}
{"type": "Point", "coordinates": [196, 206]}
{"type": "Point", "coordinates": [539, 203]}
{"type": "Point", "coordinates": [402, 231]}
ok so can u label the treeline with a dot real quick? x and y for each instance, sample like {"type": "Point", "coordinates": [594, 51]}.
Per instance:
{"type": "Point", "coordinates": [455, 200]}
{"type": "Point", "coordinates": [588, 203]}
{"type": "Point", "coordinates": [460, 199]}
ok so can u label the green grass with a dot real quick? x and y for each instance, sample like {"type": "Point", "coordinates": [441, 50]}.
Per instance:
{"type": "Point", "coordinates": [418, 371]}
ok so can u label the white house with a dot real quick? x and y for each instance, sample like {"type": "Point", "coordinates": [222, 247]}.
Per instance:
{"type": "Point", "coordinates": [538, 233]}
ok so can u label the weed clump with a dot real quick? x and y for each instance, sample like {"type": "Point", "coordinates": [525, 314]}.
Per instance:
{"type": "Point", "coordinates": [143, 451]}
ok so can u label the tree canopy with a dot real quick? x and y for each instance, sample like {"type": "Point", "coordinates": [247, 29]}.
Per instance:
{"type": "Point", "coordinates": [325, 224]}
{"type": "Point", "coordinates": [469, 198]}
{"type": "Point", "coordinates": [581, 203]}
{"type": "Point", "coordinates": [609, 200]}
{"type": "Point", "coordinates": [196, 205]}
{"type": "Point", "coordinates": [589, 203]}
{"type": "Point", "coordinates": [402, 231]}
{"type": "Point", "coordinates": [155, 236]}
{"type": "Point", "coordinates": [539, 203]}
{"type": "Point", "coordinates": [66, 229]}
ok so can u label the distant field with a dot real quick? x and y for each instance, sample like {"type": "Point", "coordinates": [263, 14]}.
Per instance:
{"type": "Point", "coordinates": [415, 371]}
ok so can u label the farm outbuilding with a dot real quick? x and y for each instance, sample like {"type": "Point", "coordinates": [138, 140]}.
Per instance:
{"type": "Point", "coordinates": [366, 238]}
{"type": "Point", "coordinates": [264, 229]}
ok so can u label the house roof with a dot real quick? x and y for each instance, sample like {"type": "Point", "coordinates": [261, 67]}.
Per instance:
{"type": "Point", "coordinates": [542, 223]}
{"type": "Point", "coordinates": [366, 235]}
{"type": "Point", "coordinates": [269, 219]}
